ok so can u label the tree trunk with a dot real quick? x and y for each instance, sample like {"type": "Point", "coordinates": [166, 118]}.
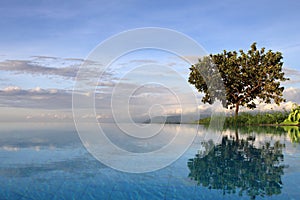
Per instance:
{"type": "Point", "coordinates": [236, 134]}
{"type": "Point", "coordinates": [235, 121]}
{"type": "Point", "coordinates": [236, 112]}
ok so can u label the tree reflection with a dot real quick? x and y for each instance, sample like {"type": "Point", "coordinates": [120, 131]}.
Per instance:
{"type": "Point", "coordinates": [293, 133]}
{"type": "Point", "coordinates": [237, 166]}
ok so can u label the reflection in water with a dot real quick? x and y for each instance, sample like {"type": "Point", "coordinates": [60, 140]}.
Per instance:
{"type": "Point", "coordinates": [275, 130]}
{"type": "Point", "coordinates": [238, 166]}
{"type": "Point", "coordinates": [293, 133]}
{"type": "Point", "coordinates": [84, 164]}
{"type": "Point", "coordinates": [63, 169]}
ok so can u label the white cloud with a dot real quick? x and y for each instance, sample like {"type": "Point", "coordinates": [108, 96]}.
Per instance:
{"type": "Point", "coordinates": [13, 96]}
{"type": "Point", "coordinates": [37, 90]}
{"type": "Point", "coordinates": [12, 89]}
{"type": "Point", "coordinates": [274, 107]}
{"type": "Point", "coordinates": [10, 148]}
{"type": "Point", "coordinates": [293, 74]}
{"type": "Point", "coordinates": [141, 99]}
{"type": "Point", "coordinates": [292, 94]}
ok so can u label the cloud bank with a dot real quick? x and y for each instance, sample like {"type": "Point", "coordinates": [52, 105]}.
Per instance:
{"type": "Point", "coordinates": [140, 103]}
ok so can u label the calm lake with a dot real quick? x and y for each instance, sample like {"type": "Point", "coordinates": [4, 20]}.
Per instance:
{"type": "Point", "coordinates": [49, 161]}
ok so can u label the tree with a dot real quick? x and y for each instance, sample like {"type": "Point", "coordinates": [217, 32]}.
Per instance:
{"type": "Point", "coordinates": [294, 116]}
{"type": "Point", "coordinates": [246, 77]}
{"type": "Point", "coordinates": [238, 166]}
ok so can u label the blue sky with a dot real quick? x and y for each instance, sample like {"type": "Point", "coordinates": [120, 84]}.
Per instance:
{"type": "Point", "coordinates": [74, 28]}
{"type": "Point", "coordinates": [58, 34]}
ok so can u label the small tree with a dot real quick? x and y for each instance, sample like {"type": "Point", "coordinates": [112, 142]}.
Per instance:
{"type": "Point", "coordinates": [246, 77]}
{"type": "Point", "coordinates": [294, 116]}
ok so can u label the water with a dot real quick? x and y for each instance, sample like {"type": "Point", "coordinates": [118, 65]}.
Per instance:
{"type": "Point", "coordinates": [48, 161]}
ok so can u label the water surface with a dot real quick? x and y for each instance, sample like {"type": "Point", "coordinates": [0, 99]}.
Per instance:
{"type": "Point", "coordinates": [48, 161]}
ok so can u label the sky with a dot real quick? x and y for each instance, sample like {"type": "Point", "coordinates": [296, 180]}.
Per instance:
{"type": "Point", "coordinates": [44, 43]}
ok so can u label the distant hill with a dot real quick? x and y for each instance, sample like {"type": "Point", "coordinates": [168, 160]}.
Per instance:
{"type": "Point", "coordinates": [164, 119]}
{"type": "Point", "coordinates": [174, 119]}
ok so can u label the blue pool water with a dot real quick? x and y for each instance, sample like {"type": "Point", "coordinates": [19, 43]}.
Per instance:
{"type": "Point", "coordinates": [48, 161]}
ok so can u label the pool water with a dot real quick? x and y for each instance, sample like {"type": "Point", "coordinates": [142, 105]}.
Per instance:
{"type": "Point", "coordinates": [48, 161]}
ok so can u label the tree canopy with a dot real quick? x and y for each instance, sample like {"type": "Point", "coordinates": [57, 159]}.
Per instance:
{"type": "Point", "coordinates": [246, 76]}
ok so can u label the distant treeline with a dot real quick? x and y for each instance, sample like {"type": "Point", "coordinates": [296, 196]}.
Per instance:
{"type": "Point", "coordinates": [252, 119]}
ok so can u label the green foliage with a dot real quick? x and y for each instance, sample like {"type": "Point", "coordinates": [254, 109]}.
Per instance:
{"type": "Point", "coordinates": [255, 74]}
{"type": "Point", "coordinates": [293, 133]}
{"type": "Point", "coordinates": [294, 116]}
{"type": "Point", "coordinates": [204, 121]}
{"type": "Point", "coordinates": [237, 166]}
{"type": "Point", "coordinates": [252, 119]}
{"type": "Point", "coordinates": [257, 119]}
